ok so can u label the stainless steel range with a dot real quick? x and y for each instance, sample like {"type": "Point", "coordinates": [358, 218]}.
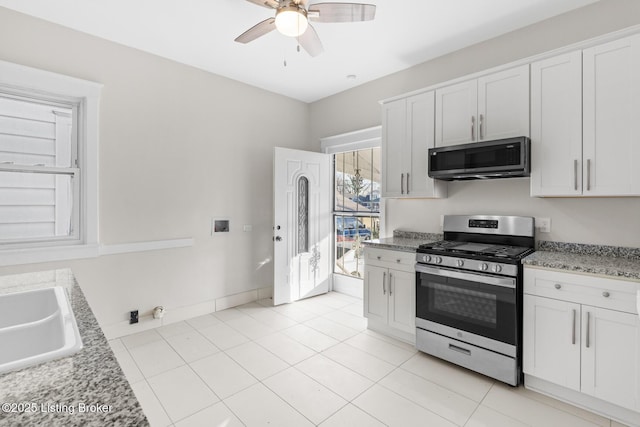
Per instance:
{"type": "Point", "coordinates": [469, 293]}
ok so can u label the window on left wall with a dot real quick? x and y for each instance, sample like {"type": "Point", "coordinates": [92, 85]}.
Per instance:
{"type": "Point", "coordinates": [48, 166]}
{"type": "Point", "coordinates": [39, 172]}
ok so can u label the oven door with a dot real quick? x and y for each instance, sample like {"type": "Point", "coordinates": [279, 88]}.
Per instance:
{"type": "Point", "coordinates": [478, 303]}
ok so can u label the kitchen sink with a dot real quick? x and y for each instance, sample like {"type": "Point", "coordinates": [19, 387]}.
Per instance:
{"type": "Point", "coordinates": [36, 326]}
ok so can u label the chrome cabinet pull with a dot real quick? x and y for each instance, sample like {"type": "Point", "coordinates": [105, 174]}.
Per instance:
{"type": "Point", "coordinates": [588, 174]}
{"type": "Point", "coordinates": [573, 327]}
{"type": "Point", "coordinates": [379, 257]}
{"type": "Point", "coordinates": [473, 125]}
{"type": "Point", "coordinates": [401, 183]}
{"type": "Point", "coordinates": [407, 182]}
{"type": "Point", "coordinates": [575, 175]}
{"type": "Point", "coordinates": [588, 321]}
{"type": "Point", "coordinates": [390, 289]}
{"type": "Point", "coordinates": [557, 286]}
{"type": "Point", "coordinates": [606, 294]}
{"type": "Point", "coordinates": [384, 281]}
{"type": "Point", "coordinates": [480, 124]}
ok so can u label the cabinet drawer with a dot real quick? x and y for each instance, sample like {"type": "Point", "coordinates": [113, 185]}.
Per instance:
{"type": "Point", "coordinates": [398, 260]}
{"type": "Point", "coordinates": [597, 291]}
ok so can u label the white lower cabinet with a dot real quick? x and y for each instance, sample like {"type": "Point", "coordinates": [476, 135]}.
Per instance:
{"type": "Point", "coordinates": [581, 341]}
{"type": "Point", "coordinates": [390, 292]}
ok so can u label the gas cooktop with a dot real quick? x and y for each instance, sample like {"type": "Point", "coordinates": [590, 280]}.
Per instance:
{"type": "Point", "coordinates": [450, 247]}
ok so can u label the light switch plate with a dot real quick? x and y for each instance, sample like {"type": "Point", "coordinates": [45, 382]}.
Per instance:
{"type": "Point", "coordinates": [543, 225]}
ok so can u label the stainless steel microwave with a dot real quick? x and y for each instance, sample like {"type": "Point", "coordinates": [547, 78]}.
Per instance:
{"type": "Point", "coordinates": [502, 158]}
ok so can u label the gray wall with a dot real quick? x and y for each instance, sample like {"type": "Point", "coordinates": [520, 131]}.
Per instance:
{"type": "Point", "coordinates": [603, 220]}
{"type": "Point", "coordinates": [177, 146]}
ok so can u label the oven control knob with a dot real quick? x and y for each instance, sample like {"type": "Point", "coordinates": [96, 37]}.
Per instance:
{"type": "Point", "coordinates": [496, 268]}
{"type": "Point", "coordinates": [438, 260]}
{"type": "Point", "coordinates": [460, 263]}
{"type": "Point", "coordinates": [426, 258]}
{"type": "Point", "coordinates": [484, 266]}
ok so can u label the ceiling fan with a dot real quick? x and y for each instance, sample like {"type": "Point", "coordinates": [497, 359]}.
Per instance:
{"type": "Point", "coordinates": [293, 16]}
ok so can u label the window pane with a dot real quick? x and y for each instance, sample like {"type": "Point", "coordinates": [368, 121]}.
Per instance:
{"type": "Point", "coordinates": [357, 178]}
{"type": "Point", "coordinates": [33, 133]}
{"type": "Point", "coordinates": [357, 191]}
{"type": "Point", "coordinates": [35, 206]}
{"type": "Point", "coordinates": [303, 215]}
{"type": "Point", "coordinates": [351, 231]}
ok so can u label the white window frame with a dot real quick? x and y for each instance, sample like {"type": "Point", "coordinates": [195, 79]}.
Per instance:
{"type": "Point", "coordinates": [352, 141]}
{"type": "Point", "coordinates": [45, 85]}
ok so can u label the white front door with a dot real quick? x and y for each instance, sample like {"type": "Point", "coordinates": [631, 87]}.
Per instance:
{"type": "Point", "coordinates": [302, 228]}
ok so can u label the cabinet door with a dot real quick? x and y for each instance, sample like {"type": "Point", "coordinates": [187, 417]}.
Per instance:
{"type": "Point", "coordinates": [394, 129]}
{"type": "Point", "coordinates": [402, 300]}
{"type": "Point", "coordinates": [456, 110]}
{"type": "Point", "coordinates": [556, 126]}
{"type": "Point", "coordinates": [503, 104]}
{"type": "Point", "coordinates": [420, 137]}
{"type": "Point", "coordinates": [551, 340]}
{"type": "Point", "coordinates": [375, 293]}
{"type": "Point", "coordinates": [611, 356]}
{"type": "Point", "coordinates": [611, 110]}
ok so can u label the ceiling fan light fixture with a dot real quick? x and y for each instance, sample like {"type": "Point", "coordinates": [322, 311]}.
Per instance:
{"type": "Point", "coordinates": [291, 21]}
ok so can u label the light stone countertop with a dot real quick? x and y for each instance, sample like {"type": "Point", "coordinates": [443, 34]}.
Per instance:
{"type": "Point", "coordinates": [55, 392]}
{"type": "Point", "coordinates": [405, 241]}
{"type": "Point", "coordinates": [611, 261]}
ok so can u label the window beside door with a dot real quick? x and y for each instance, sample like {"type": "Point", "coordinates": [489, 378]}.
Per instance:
{"type": "Point", "coordinates": [357, 189]}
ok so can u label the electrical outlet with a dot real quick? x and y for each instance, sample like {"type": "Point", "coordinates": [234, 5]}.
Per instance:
{"type": "Point", "coordinates": [133, 317]}
{"type": "Point", "coordinates": [543, 225]}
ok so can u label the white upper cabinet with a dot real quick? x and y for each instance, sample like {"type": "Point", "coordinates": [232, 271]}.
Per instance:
{"type": "Point", "coordinates": [585, 107]}
{"type": "Point", "coordinates": [456, 110]}
{"type": "Point", "coordinates": [494, 106]}
{"type": "Point", "coordinates": [407, 134]}
{"type": "Point", "coordinates": [556, 126]}
{"type": "Point", "coordinates": [611, 138]}
{"type": "Point", "coordinates": [394, 130]}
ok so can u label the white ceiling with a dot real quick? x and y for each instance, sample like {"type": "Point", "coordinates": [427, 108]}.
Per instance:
{"type": "Point", "coordinates": [201, 33]}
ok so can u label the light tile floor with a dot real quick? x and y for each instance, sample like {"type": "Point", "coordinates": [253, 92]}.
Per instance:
{"type": "Point", "coordinates": [315, 363]}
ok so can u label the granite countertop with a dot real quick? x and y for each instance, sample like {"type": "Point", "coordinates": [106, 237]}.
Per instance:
{"type": "Point", "coordinates": [406, 241]}
{"type": "Point", "coordinates": [84, 389]}
{"type": "Point", "coordinates": [613, 261]}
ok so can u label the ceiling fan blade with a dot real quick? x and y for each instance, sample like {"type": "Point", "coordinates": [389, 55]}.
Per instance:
{"type": "Point", "coordinates": [311, 42]}
{"type": "Point", "coordinates": [341, 12]}
{"type": "Point", "coordinates": [271, 4]}
{"type": "Point", "coordinates": [257, 30]}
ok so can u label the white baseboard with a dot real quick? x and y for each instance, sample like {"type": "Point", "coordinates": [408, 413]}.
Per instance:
{"type": "Point", "coordinates": [177, 314]}
{"type": "Point", "coordinates": [351, 286]}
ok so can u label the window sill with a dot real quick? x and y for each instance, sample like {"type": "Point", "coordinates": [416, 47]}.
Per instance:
{"type": "Point", "coordinates": [47, 254]}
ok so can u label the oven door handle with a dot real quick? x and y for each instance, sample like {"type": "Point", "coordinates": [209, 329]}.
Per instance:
{"type": "Point", "coordinates": [504, 282]}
